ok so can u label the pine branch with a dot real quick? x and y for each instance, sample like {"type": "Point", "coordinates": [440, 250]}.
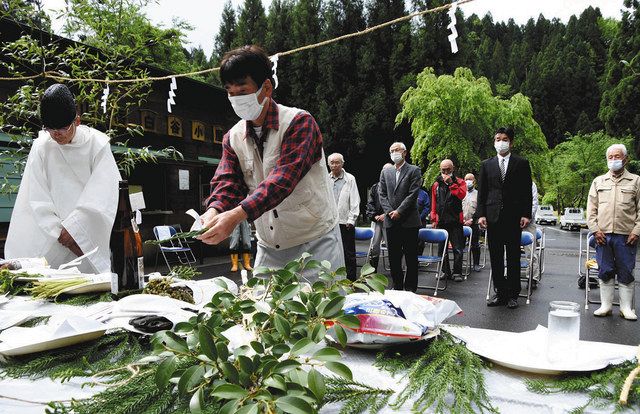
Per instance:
{"type": "Point", "coordinates": [446, 367]}
{"type": "Point", "coordinates": [357, 397]}
{"type": "Point", "coordinates": [107, 352]}
{"type": "Point", "coordinates": [84, 300]}
{"type": "Point", "coordinates": [177, 236]}
{"type": "Point", "coordinates": [603, 387]}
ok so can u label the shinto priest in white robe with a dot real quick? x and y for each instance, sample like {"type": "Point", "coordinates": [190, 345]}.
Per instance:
{"type": "Point", "coordinates": [74, 186]}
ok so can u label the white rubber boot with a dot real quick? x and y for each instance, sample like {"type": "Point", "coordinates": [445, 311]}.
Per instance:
{"type": "Point", "coordinates": [606, 297]}
{"type": "Point", "coordinates": [626, 301]}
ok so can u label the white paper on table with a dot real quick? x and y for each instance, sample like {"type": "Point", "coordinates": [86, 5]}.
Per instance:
{"type": "Point", "coordinates": [58, 326]}
{"type": "Point", "coordinates": [164, 233]}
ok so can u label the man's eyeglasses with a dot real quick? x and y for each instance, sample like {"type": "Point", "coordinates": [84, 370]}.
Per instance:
{"type": "Point", "coordinates": [58, 131]}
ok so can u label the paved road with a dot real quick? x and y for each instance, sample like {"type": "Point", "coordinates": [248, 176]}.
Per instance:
{"type": "Point", "coordinates": [558, 283]}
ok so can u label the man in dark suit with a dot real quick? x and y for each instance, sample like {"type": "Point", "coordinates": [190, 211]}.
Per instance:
{"type": "Point", "coordinates": [398, 190]}
{"type": "Point", "coordinates": [504, 209]}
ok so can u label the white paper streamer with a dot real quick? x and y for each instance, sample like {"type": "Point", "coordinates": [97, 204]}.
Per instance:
{"type": "Point", "coordinates": [105, 96]}
{"type": "Point", "coordinates": [452, 26]}
{"type": "Point", "coordinates": [173, 87]}
{"type": "Point", "coordinates": [274, 60]}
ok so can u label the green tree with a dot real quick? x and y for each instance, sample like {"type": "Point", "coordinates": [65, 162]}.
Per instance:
{"type": "Point", "coordinates": [252, 24]}
{"type": "Point", "coordinates": [28, 12]}
{"type": "Point", "coordinates": [122, 28]}
{"type": "Point", "coordinates": [573, 166]}
{"type": "Point", "coordinates": [456, 117]}
{"type": "Point", "coordinates": [279, 22]}
{"type": "Point", "coordinates": [226, 38]}
{"type": "Point", "coordinates": [619, 109]}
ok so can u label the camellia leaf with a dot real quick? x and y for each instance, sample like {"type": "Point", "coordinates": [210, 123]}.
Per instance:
{"type": "Point", "coordinates": [173, 341]}
{"type": "Point", "coordinates": [230, 407]}
{"type": "Point", "coordinates": [190, 378]}
{"type": "Point", "coordinates": [295, 307]}
{"type": "Point", "coordinates": [316, 384]}
{"type": "Point", "coordinates": [341, 335]}
{"type": "Point", "coordinates": [165, 371]}
{"type": "Point", "coordinates": [246, 365]}
{"type": "Point", "coordinates": [229, 391]}
{"type": "Point", "coordinates": [230, 371]}
{"type": "Point", "coordinates": [223, 351]}
{"type": "Point", "coordinates": [340, 369]}
{"type": "Point", "coordinates": [285, 366]}
{"type": "Point", "coordinates": [327, 354]}
{"type": "Point", "coordinates": [367, 269]}
{"type": "Point", "coordinates": [318, 332]}
{"type": "Point", "coordinates": [197, 401]}
{"type": "Point", "coordinates": [207, 345]}
{"type": "Point", "coordinates": [282, 325]}
{"type": "Point", "coordinates": [333, 308]}
{"type": "Point", "coordinates": [376, 285]}
{"type": "Point", "coordinates": [350, 321]}
{"type": "Point", "coordinates": [289, 291]}
{"type": "Point", "coordinates": [302, 346]}
{"type": "Point", "coordinates": [293, 405]}
{"type": "Point", "coordinates": [251, 408]}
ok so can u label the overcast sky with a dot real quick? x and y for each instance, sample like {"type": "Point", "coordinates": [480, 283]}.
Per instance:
{"type": "Point", "coordinates": [204, 15]}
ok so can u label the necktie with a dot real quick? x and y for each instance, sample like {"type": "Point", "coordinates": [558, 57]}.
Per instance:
{"type": "Point", "coordinates": [503, 170]}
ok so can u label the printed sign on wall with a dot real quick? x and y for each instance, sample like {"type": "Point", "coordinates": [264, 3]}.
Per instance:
{"type": "Point", "coordinates": [174, 126]}
{"type": "Point", "coordinates": [197, 130]}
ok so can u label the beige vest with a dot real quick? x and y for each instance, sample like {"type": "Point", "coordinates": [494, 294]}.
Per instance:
{"type": "Point", "coordinates": [309, 212]}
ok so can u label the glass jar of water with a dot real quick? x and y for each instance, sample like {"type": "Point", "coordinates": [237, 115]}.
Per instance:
{"type": "Point", "coordinates": [563, 330]}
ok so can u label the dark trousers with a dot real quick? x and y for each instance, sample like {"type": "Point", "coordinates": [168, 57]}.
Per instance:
{"type": "Point", "coordinates": [349, 248]}
{"type": "Point", "coordinates": [403, 241]}
{"type": "Point", "coordinates": [456, 237]}
{"type": "Point", "coordinates": [505, 235]}
{"type": "Point", "coordinates": [475, 244]}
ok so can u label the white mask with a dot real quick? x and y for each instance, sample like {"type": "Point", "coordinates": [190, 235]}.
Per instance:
{"type": "Point", "coordinates": [247, 107]}
{"type": "Point", "coordinates": [396, 157]}
{"type": "Point", "coordinates": [502, 147]}
{"type": "Point", "coordinates": [469, 184]}
{"type": "Point", "coordinates": [615, 165]}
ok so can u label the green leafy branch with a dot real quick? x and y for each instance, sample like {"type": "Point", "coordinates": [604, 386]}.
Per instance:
{"type": "Point", "coordinates": [603, 387]}
{"type": "Point", "coordinates": [278, 367]}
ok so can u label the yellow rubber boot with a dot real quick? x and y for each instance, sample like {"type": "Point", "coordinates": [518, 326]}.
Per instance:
{"type": "Point", "coordinates": [246, 261]}
{"type": "Point", "coordinates": [234, 262]}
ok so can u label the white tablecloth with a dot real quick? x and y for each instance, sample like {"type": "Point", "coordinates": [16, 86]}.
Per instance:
{"type": "Point", "coordinates": [506, 387]}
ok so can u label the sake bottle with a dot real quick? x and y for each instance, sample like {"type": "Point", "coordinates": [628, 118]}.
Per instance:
{"type": "Point", "coordinates": [127, 264]}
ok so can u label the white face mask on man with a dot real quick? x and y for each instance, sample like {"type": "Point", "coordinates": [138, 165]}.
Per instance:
{"type": "Point", "coordinates": [247, 106]}
{"type": "Point", "coordinates": [502, 147]}
{"type": "Point", "coordinates": [396, 157]}
{"type": "Point", "coordinates": [615, 165]}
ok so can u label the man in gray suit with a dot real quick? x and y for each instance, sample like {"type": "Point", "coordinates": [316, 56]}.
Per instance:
{"type": "Point", "coordinates": [398, 191]}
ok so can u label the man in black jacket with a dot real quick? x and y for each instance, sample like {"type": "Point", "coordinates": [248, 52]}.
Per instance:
{"type": "Point", "coordinates": [504, 209]}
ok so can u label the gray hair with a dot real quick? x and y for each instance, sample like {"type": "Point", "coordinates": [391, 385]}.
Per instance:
{"type": "Point", "coordinates": [620, 147]}
{"type": "Point", "coordinates": [404, 147]}
{"type": "Point", "coordinates": [335, 155]}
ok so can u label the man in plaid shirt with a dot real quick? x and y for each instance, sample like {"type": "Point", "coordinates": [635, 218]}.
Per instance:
{"type": "Point", "coordinates": [272, 171]}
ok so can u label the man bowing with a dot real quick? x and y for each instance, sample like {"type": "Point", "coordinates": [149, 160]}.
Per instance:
{"type": "Point", "coordinates": [69, 190]}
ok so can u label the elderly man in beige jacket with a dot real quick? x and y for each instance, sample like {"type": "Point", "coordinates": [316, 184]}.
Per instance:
{"type": "Point", "coordinates": [345, 192]}
{"type": "Point", "coordinates": [613, 214]}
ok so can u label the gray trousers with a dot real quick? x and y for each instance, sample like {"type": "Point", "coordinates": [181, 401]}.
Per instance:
{"type": "Point", "coordinates": [378, 235]}
{"type": "Point", "coordinates": [240, 239]}
{"type": "Point", "coordinates": [327, 247]}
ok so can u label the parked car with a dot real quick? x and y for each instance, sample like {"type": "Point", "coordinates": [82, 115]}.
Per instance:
{"type": "Point", "coordinates": [546, 215]}
{"type": "Point", "coordinates": [573, 218]}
